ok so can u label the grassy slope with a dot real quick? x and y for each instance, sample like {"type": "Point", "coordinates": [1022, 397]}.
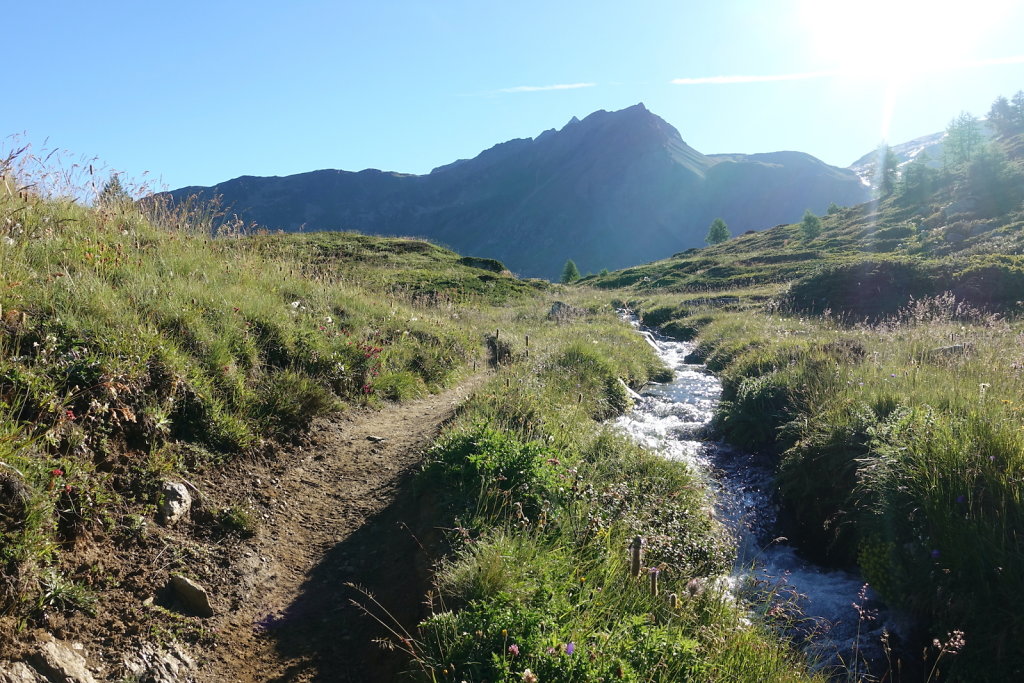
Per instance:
{"type": "Point", "coordinates": [545, 501]}
{"type": "Point", "coordinates": [894, 407]}
{"type": "Point", "coordinates": [134, 348]}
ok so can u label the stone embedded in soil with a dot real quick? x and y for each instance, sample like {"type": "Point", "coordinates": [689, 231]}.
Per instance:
{"type": "Point", "coordinates": [19, 672]}
{"type": "Point", "coordinates": [375, 439]}
{"type": "Point", "coordinates": [175, 502]}
{"type": "Point", "coordinates": [155, 665]}
{"type": "Point", "coordinates": [192, 594]}
{"type": "Point", "coordinates": [60, 663]}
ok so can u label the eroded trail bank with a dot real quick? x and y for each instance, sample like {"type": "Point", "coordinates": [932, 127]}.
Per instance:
{"type": "Point", "coordinates": [337, 513]}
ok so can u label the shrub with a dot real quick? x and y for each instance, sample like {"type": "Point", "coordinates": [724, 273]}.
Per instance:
{"type": "Point", "coordinates": [866, 289]}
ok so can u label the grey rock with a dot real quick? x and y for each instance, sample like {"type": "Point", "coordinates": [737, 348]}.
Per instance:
{"type": "Point", "coordinates": [19, 672]}
{"type": "Point", "coordinates": [965, 349]}
{"type": "Point", "coordinates": [192, 594]}
{"type": "Point", "coordinates": [61, 663]}
{"type": "Point", "coordinates": [152, 664]}
{"type": "Point", "coordinates": [562, 311]}
{"type": "Point", "coordinates": [175, 502]}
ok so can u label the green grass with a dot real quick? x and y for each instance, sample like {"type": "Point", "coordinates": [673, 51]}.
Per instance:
{"type": "Point", "coordinates": [546, 502]}
{"type": "Point", "coordinates": [135, 346]}
{"type": "Point", "coordinates": [900, 450]}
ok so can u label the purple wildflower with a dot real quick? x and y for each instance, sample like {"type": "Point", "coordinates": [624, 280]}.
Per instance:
{"type": "Point", "coordinates": [570, 648]}
{"type": "Point", "coordinates": [935, 554]}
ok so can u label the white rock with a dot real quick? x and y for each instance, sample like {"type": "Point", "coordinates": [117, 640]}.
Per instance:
{"type": "Point", "coordinates": [59, 663]}
{"type": "Point", "coordinates": [175, 502]}
{"type": "Point", "coordinates": [19, 672]}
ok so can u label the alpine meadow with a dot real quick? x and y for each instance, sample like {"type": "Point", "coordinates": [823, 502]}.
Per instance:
{"type": "Point", "coordinates": [586, 405]}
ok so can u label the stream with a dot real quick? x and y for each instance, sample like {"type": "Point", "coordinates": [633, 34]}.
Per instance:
{"type": "Point", "coordinates": [672, 419]}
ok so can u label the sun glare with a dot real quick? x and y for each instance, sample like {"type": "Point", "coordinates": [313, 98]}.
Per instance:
{"type": "Point", "coordinates": [895, 39]}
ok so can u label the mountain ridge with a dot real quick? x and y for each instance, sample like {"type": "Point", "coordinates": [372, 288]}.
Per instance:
{"type": "Point", "coordinates": [613, 189]}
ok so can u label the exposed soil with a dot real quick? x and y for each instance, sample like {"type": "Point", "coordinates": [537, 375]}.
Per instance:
{"type": "Point", "coordinates": [341, 511]}
{"type": "Point", "coordinates": [339, 508]}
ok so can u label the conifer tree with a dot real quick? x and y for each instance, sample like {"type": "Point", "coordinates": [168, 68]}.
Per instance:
{"type": "Point", "coordinates": [963, 139]}
{"type": "Point", "coordinates": [718, 232]}
{"type": "Point", "coordinates": [570, 273]}
{"type": "Point", "coordinates": [113, 193]}
{"type": "Point", "coordinates": [810, 226]}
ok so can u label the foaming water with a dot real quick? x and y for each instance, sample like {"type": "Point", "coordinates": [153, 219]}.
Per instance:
{"type": "Point", "coordinates": [838, 620]}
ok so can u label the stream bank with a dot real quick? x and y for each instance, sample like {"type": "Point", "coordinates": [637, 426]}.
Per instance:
{"type": "Point", "coordinates": [831, 613]}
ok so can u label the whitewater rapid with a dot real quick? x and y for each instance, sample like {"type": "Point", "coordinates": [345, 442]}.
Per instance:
{"type": "Point", "coordinates": [672, 419]}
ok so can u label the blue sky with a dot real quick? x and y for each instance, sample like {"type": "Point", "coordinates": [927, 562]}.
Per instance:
{"type": "Point", "coordinates": [199, 92]}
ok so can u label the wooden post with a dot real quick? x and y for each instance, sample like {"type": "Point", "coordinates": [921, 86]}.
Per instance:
{"type": "Point", "coordinates": [635, 556]}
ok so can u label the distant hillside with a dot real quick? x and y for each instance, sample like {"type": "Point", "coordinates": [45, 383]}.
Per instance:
{"type": "Point", "coordinates": [930, 146]}
{"type": "Point", "coordinates": [610, 191]}
{"type": "Point", "coordinates": [965, 234]}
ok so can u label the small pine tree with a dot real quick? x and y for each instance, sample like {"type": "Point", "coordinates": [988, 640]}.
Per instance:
{"type": "Point", "coordinates": [886, 170]}
{"type": "Point", "coordinates": [833, 209]}
{"type": "Point", "coordinates": [810, 226]}
{"type": "Point", "coordinates": [113, 193]}
{"type": "Point", "coordinates": [718, 232]}
{"type": "Point", "coordinates": [570, 273]}
{"type": "Point", "coordinates": [1001, 116]}
{"type": "Point", "coordinates": [963, 140]}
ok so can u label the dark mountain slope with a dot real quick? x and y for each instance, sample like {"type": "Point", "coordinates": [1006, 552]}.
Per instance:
{"type": "Point", "coordinates": [615, 189]}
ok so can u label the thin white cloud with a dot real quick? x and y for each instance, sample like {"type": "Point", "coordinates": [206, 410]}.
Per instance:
{"type": "Point", "coordinates": [997, 61]}
{"type": "Point", "coordinates": [540, 88]}
{"type": "Point", "coordinates": [718, 80]}
{"type": "Point", "coordinates": [808, 75]}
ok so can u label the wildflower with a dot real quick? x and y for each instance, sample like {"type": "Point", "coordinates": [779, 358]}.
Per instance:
{"type": "Point", "coordinates": [67, 488]}
{"type": "Point", "coordinates": [513, 650]}
{"type": "Point", "coordinates": [58, 472]}
{"type": "Point", "coordinates": [504, 633]}
{"type": "Point", "coordinates": [935, 554]}
{"type": "Point", "coordinates": [70, 414]}
{"type": "Point", "coordinates": [570, 648]}
{"type": "Point", "coordinates": [529, 677]}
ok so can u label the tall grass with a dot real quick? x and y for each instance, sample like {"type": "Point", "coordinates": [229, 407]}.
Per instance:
{"type": "Point", "coordinates": [545, 502]}
{"type": "Point", "coordinates": [901, 449]}
{"type": "Point", "coordinates": [136, 344]}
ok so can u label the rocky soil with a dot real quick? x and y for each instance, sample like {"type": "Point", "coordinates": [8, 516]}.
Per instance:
{"type": "Point", "coordinates": [335, 512]}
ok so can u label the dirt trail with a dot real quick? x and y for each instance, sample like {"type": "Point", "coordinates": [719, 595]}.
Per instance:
{"type": "Point", "coordinates": [336, 513]}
